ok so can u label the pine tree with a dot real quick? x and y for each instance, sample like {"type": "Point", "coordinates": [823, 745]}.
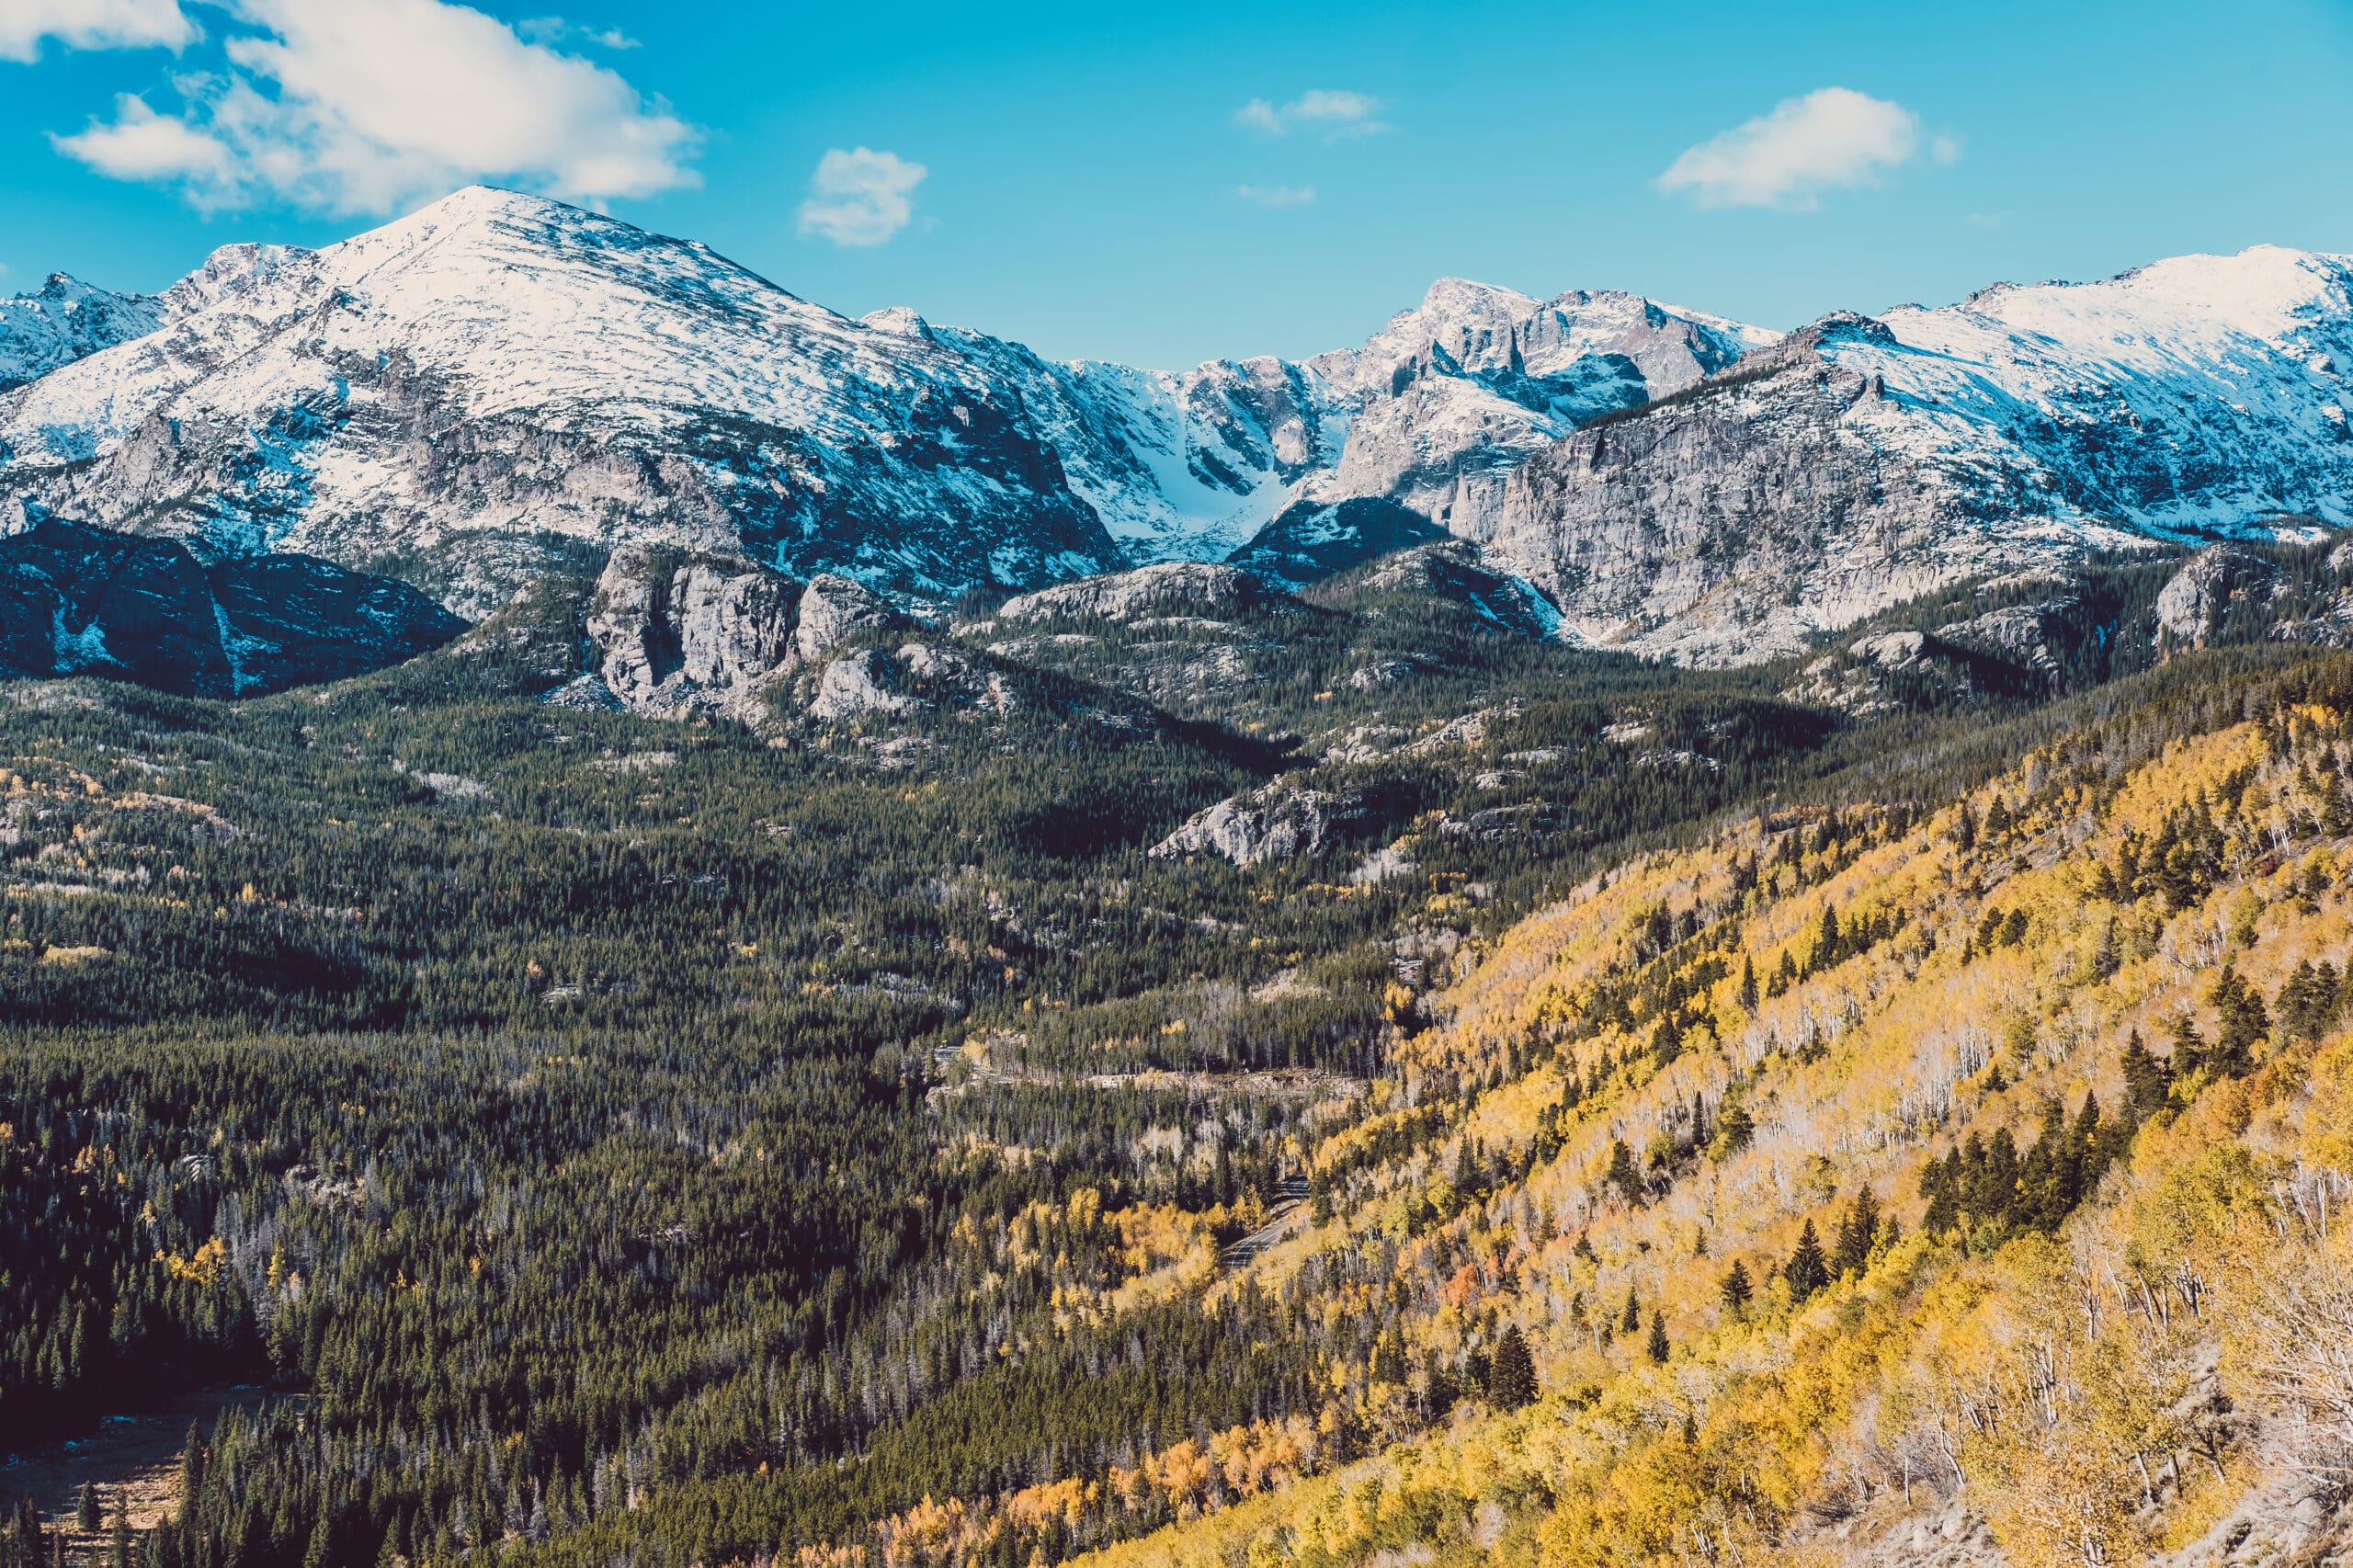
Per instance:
{"type": "Point", "coordinates": [1511, 1376]}
{"type": "Point", "coordinates": [1735, 1128]}
{"type": "Point", "coordinates": [1856, 1234]}
{"type": "Point", "coordinates": [1657, 1348]}
{"type": "Point", "coordinates": [1631, 1320]}
{"type": "Point", "coordinates": [1825, 942]}
{"type": "Point", "coordinates": [1737, 1288]}
{"type": "Point", "coordinates": [1748, 983]}
{"type": "Point", "coordinates": [88, 1513]}
{"type": "Point", "coordinates": [1807, 1271]}
{"type": "Point", "coordinates": [2146, 1082]}
{"type": "Point", "coordinates": [1940, 1184]}
{"type": "Point", "coordinates": [2188, 1049]}
{"type": "Point", "coordinates": [1621, 1173]}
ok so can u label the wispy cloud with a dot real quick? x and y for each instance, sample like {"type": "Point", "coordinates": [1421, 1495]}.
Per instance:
{"type": "Point", "coordinates": [92, 24]}
{"type": "Point", "coordinates": [1831, 139]}
{"type": "Point", "coordinates": [860, 197]}
{"type": "Point", "coordinates": [1336, 113]}
{"type": "Point", "coordinates": [1276, 195]}
{"type": "Point", "coordinates": [555, 30]}
{"type": "Point", "coordinates": [363, 105]}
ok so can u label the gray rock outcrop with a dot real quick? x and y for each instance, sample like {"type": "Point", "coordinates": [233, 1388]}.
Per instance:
{"type": "Point", "coordinates": [1276, 822]}
{"type": "Point", "coordinates": [2192, 605]}
{"type": "Point", "coordinates": [835, 610]}
{"type": "Point", "coordinates": [1175, 587]}
{"type": "Point", "coordinates": [682, 633]}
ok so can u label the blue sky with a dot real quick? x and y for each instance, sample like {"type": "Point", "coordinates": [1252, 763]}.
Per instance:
{"type": "Point", "coordinates": [1162, 183]}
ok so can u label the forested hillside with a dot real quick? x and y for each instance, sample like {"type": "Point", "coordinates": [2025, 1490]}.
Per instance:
{"type": "Point", "coordinates": [605, 1139]}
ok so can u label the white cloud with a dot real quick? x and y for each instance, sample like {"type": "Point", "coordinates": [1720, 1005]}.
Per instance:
{"type": "Point", "coordinates": [359, 105]}
{"type": "Point", "coordinates": [1276, 195]}
{"type": "Point", "coordinates": [861, 197]}
{"type": "Point", "coordinates": [1336, 112]}
{"type": "Point", "coordinates": [91, 24]}
{"type": "Point", "coordinates": [1831, 137]}
{"type": "Point", "coordinates": [141, 145]}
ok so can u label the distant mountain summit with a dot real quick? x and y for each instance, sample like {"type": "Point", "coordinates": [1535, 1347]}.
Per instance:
{"type": "Point", "coordinates": [499, 386]}
{"type": "Point", "coordinates": [66, 320]}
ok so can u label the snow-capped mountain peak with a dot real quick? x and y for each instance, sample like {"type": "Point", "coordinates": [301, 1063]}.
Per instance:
{"type": "Point", "coordinates": [61, 322]}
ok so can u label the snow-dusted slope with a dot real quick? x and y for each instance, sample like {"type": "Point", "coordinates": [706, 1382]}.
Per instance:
{"type": "Point", "coordinates": [64, 321]}
{"type": "Point", "coordinates": [498, 383]}
{"type": "Point", "coordinates": [2204, 391]}
{"type": "Point", "coordinates": [1865, 462]}
{"type": "Point", "coordinates": [1179, 465]}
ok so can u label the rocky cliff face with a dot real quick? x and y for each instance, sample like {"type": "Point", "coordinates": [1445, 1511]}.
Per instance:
{"type": "Point", "coordinates": [1173, 588]}
{"type": "Point", "coordinates": [1865, 462]}
{"type": "Point", "coordinates": [1455, 395]}
{"type": "Point", "coordinates": [681, 634]}
{"type": "Point", "coordinates": [77, 600]}
{"type": "Point", "coordinates": [1279, 820]}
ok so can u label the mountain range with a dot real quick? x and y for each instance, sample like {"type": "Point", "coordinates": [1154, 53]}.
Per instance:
{"type": "Point", "coordinates": [499, 388]}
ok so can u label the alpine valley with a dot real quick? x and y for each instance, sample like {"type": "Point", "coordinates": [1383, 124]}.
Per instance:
{"type": "Point", "coordinates": [647, 926]}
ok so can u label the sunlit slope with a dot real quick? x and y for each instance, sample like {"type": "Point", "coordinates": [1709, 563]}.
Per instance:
{"type": "Point", "coordinates": [2100, 1311]}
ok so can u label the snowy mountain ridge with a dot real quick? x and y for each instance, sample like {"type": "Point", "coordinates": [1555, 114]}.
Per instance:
{"type": "Point", "coordinates": [65, 320]}
{"type": "Point", "coordinates": [1864, 461]}
{"type": "Point", "coordinates": [498, 385]}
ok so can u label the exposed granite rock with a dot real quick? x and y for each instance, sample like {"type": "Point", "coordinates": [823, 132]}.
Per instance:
{"type": "Point", "coordinates": [836, 609]}
{"type": "Point", "coordinates": [2192, 605]}
{"type": "Point", "coordinates": [857, 684]}
{"type": "Point", "coordinates": [1276, 822]}
{"type": "Point", "coordinates": [1177, 587]}
{"type": "Point", "coordinates": [1733, 525]}
{"type": "Point", "coordinates": [685, 633]}
{"type": "Point", "coordinates": [1882, 673]}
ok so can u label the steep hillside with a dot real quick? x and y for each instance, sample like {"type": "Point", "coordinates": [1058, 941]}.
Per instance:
{"type": "Point", "coordinates": [84, 601]}
{"type": "Point", "coordinates": [1867, 1185]}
